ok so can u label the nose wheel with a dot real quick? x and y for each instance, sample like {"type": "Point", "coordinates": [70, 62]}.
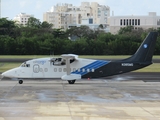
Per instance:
{"type": "Point", "coordinates": [20, 81]}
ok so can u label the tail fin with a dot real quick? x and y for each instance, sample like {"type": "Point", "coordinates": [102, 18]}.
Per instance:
{"type": "Point", "coordinates": [146, 50]}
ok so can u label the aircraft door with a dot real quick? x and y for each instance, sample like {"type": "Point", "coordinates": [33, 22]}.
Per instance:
{"type": "Point", "coordinates": [37, 71]}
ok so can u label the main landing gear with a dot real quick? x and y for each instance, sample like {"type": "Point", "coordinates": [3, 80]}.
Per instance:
{"type": "Point", "coordinates": [20, 81]}
{"type": "Point", "coordinates": [71, 81]}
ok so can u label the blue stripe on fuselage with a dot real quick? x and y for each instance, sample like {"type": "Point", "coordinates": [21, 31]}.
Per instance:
{"type": "Point", "coordinates": [95, 65]}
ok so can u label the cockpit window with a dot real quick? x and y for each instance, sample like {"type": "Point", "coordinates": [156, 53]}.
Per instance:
{"type": "Point", "coordinates": [25, 65]}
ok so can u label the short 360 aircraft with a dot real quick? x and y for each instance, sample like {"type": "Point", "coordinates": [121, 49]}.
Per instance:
{"type": "Point", "coordinates": [71, 68]}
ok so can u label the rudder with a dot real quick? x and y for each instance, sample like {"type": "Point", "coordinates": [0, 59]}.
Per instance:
{"type": "Point", "coordinates": [146, 49]}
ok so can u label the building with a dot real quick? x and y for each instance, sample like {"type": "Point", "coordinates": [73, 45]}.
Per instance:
{"type": "Point", "coordinates": [66, 15]}
{"type": "Point", "coordinates": [22, 18]}
{"type": "Point", "coordinates": [145, 22]}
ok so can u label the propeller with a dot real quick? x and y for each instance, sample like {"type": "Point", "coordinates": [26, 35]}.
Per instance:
{"type": "Point", "coordinates": [52, 59]}
{"type": "Point", "coordinates": [1, 77]}
{"type": "Point", "coordinates": [1, 65]}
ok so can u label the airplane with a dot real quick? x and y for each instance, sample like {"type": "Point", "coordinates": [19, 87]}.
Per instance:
{"type": "Point", "coordinates": [71, 68]}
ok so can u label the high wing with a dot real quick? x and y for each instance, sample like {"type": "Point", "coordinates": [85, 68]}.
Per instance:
{"type": "Point", "coordinates": [70, 77]}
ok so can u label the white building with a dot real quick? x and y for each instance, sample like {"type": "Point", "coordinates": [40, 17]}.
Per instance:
{"type": "Point", "coordinates": [145, 22]}
{"type": "Point", "coordinates": [22, 18]}
{"type": "Point", "coordinates": [65, 15]}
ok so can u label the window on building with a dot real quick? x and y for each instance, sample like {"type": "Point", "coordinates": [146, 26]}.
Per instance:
{"type": "Point", "coordinates": [138, 21]}
{"type": "Point", "coordinates": [90, 21]}
{"type": "Point", "coordinates": [135, 21]}
{"type": "Point", "coordinates": [158, 21]}
{"type": "Point", "coordinates": [129, 21]}
{"type": "Point", "coordinates": [124, 22]}
{"type": "Point", "coordinates": [121, 22]}
{"type": "Point", "coordinates": [132, 21]}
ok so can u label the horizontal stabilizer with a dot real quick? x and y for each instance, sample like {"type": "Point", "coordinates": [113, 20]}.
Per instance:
{"type": "Point", "coordinates": [71, 77]}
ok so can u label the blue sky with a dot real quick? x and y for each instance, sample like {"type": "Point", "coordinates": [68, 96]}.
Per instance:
{"type": "Point", "coordinates": [10, 8]}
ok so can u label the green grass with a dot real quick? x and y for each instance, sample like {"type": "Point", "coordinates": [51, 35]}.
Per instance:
{"type": "Point", "coordinates": [111, 56]}
{"type": "Point", "coordinates": [155, 67]}
{"type": "Point", "coordinates": [7, 66]}
{"type": "Point", "coordinates": [23, 56]}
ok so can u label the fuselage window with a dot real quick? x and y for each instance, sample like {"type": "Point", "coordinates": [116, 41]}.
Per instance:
{"type": "Point", "coordinates": [93, 70]}
{"type": "Point", "coordinates": [64, 69]}
{"type": "Point", "coordinates": [88, 70]}
{"type": "Point", "coordinates": [55, 69]}
{"type": "Point", "coordinates": [79, 70]}
{"type": "Point", "coordinates": [83, 70]}
{"type": "Point", "coordinates": [46, 69]}
{"type": "Point", "coordinates": [60, 69]}
{"type": "Point", "coordinates": [74, 69]}
{"type": "Point", "coordinates": [41, 70]}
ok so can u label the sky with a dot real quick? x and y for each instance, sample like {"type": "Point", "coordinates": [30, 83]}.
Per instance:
{"type": "Point", "coordinates": [11, 8]}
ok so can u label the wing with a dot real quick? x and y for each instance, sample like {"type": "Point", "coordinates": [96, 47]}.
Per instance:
{"type": "Point", "coordinates": [70, 76]}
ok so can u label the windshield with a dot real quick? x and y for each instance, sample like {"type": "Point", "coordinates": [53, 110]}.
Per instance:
{"type": "Point", "coordinates": [25, 65]}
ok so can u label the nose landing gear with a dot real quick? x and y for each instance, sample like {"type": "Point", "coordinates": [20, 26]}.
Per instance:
{"type": "Point", "coordinates": [20, 81]}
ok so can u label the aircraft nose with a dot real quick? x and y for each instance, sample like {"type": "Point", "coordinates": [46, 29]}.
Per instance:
{"type": "Point", "coordinates": [9, 73]}
{"type": "Point", "coordinates": [5, 74]}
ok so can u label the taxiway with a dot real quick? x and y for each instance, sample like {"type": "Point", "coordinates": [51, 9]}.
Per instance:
{"type": "Point", "coordinates": [98, 99]}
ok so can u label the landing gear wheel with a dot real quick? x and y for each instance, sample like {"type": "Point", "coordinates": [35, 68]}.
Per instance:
{"type": "Point", "coordinates": [71, 81]}
{"type": "Point", "coordinates": [20, 81]}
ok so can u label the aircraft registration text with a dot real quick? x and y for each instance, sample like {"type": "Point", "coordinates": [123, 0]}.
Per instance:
{"type": "Point", "coordinates": [127, 64]}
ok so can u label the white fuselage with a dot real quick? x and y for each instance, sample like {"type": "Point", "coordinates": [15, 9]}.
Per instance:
{"type": "Point", "coordinates": [44, 68]}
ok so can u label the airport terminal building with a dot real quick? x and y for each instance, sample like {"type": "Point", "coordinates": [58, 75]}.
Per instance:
{"type": "Point", "coordinates": [145, 22]}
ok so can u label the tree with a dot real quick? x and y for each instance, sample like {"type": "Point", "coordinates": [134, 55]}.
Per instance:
{"type": "Point", "coordinates": [46, 25]}
{"type": "Point", "coordinates": [33, 22]}
{"type": "Point", "coordinates": [125, 29]}
{"type": "Point", "coordinates": [83, 31]}
{"type": "Point", "coordinates": [6, 26]}
{"type": "Point", "coordinates": [101, 26]}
